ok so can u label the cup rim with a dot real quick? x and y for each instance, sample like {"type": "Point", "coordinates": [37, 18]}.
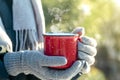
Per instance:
{"type": "Point", "coordinates": [59, 34]}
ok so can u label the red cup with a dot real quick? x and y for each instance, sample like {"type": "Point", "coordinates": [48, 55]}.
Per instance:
{"type": "Point", "coordinates": [61, 44]}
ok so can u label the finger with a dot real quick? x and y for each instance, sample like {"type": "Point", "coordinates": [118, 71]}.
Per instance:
{"type": "Point", "coordinates": [79, 30]}
{"type": "Point", "coordinates": [89, 41]}
{"type": "Point", "coordinates": [88, 58]}
{"type": "Point", "coordinates": [74, 69]}
{"type": "Point", "coordinates": [86, 68]}
{"type": "Point", "coordinates": [87, 49]}
{"type": "Point", "coordinates": [53, 61]}
{"type": "Point", "coordinates": [66, 74]}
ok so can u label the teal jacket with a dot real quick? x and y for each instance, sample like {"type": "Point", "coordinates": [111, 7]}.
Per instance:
{"type": "Point", "coordinates": [7, 19]}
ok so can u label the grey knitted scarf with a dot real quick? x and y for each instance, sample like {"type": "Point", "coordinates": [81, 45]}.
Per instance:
{"type": "Point", "coordinates": [29, 24]}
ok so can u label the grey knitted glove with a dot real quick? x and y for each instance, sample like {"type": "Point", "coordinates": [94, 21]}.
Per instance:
{"type": "Point", "coordinates": [86, 49]}
{"type": "Point", "coordinates": [34, 62]}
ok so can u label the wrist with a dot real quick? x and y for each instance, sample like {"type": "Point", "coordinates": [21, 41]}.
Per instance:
{"type": "Point", "coordinates": [12, 62]}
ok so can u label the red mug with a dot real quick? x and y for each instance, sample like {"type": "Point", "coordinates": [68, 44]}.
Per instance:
{"type": "Point", "coordinates": [61, 44]}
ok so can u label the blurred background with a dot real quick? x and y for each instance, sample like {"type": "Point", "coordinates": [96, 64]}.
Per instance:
{"type": "Point", "coordinates": [101, 19]}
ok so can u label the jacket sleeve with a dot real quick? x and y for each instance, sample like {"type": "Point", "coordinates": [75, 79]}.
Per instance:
{"type": "Point", "coordinates": [3, 73]}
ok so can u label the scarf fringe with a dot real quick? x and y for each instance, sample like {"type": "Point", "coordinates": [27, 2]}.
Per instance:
{"type": "Point", "coordinates": [29, 24]}
{"type": "Point", "coordinates": [26, 39]}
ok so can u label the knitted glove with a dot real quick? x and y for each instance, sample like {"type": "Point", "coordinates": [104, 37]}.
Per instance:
{"type": "Point", "coordinates": [36, 63]}
{"type": "Point", "coordinates": [86, 49]}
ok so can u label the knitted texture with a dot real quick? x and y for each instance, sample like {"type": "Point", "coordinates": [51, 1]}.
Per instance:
{"type": "Point", "coordinates": [23, 15]}
{"type": "Point", "coordinates": [13, 62]}
{"type": "Point", "coordinates": [86, 49]}
{"type": "Point", "coordinates": [33, 62]}
{"type": "Point", "coordinates": [29, 24]}
{"type": "Point", "coordinates": [39, 17]}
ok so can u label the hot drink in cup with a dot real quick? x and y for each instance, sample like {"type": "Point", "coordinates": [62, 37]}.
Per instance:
{"type": "Point", "coordinates": [61, 44]}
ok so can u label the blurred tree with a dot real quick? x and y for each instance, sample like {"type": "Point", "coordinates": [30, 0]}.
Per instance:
{"type": "Point", "coordinates": [68, 14]}
{"type": "Point", "coordinates": [101, 21]}
{"type": "Point", "coordinates": [95, 74]}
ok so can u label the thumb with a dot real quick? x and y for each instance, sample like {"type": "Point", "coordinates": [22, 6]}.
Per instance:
{"type": "Point", "coordinates": [54, 61]}
{"type": "Point", "coordinates": [79, 30]}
